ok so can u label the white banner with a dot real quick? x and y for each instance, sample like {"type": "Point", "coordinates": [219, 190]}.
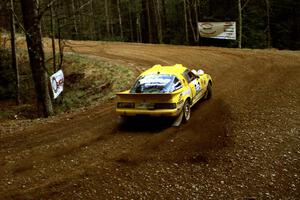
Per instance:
{"type": "Point", "coordinates": [57, 83]}
{"type": "Point", "coordinates": [218, 30]}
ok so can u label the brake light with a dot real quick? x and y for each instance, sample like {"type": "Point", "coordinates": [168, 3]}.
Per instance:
{"type": "Point", "coordinates": [165, 105]}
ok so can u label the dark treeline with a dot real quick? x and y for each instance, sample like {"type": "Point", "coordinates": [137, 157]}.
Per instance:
{"type": "Point", "coordinates": [266, 23]}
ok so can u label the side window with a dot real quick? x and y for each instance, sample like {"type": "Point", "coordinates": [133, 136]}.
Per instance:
{"type": "Point", "coordinates": [192, 76]}
{"type": "Point", "coordinates": [176, 84]}
{"type": "Point", "coordinates": [189, 76]}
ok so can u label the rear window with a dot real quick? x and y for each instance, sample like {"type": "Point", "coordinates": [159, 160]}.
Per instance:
{"type": "Point", "coordinates": [156, 83]}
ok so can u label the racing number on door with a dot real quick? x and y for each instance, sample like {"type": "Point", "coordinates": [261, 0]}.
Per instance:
{"type": "Point", "coordinates": [197, 86]}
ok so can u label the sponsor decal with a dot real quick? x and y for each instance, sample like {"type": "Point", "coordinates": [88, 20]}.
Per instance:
{"type": "Point", "coordinates": [197, 85]}
{"type": "Point", "coordinates": [187, 92]}
{"type": "Point", "coordinates": [218, 30]}
{"type": "Point", "coordinates": [57, 83]}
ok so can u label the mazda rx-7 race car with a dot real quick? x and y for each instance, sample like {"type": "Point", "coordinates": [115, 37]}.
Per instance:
{"type": "Point", "coordinates": [168, 91]}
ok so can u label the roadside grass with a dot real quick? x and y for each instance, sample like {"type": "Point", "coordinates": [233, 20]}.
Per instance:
{"type": "Point", "coordinates": [88, 81]}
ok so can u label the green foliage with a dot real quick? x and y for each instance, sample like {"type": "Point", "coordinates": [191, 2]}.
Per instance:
{"type": "Point", "coordinates": [89, 80]}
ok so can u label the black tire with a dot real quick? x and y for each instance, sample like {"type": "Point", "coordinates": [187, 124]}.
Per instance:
{"type": "Point", "coordinates": [186, 110]}
{"type": "Point", "coordinates": [208, 93]}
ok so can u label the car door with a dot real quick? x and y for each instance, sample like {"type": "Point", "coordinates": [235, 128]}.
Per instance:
{"type": "Point", "coordinates": [203, 82]}
{"type": "Point", "coordinates": [193, 83]}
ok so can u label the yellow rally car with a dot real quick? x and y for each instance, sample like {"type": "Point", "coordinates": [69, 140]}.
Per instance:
{"type": "Point", "coordinates": [165, 91]}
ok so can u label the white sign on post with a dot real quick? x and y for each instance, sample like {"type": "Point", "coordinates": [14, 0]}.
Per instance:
{"type": "Point", "coordinates": [218, 30]}
{"type": "Point", "coordinates": [57, 83]}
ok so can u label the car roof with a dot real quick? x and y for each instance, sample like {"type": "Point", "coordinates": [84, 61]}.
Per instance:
{"type": "Point", "coordinates": [159, 69]}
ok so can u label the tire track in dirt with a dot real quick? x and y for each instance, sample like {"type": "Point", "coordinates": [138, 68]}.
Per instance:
{"type": "Point", "coordinates": [50, 133]}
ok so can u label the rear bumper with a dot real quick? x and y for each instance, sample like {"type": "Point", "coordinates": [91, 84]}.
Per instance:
{"type": "Point", "coordinates": [161, 112]}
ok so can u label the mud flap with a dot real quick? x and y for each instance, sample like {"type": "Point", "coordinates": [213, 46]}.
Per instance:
{"type": "Point", "coordinates": [178, 120]}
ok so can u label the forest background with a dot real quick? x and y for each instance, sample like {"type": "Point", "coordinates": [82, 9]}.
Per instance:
{"type": "Point", "coordinates": [266, 23]}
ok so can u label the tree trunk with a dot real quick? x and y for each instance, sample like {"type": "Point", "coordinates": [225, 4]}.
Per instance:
{"type": "Point", "coordinates": [112, 30]}
{"type": "Point", "coordinates": [191, 21]}
{"type": "Point", "coordinates": [139, 34]}
{"type": "Point", "coordinates": [149, 22]}
{"type": "Point", "coordinates": [107, 18]}
{"type": "Point", "coordinates": [268, 24]}
{"type": "Point", "coordinates": [130, 20]}
{"type": "Point", "coordinates": [158, 21]}
{"type": "Point", "coordinates": [164, 23]}
{"type": "Point", "coordinates": [13, 51]}
{"type": "Point", "coordinates": [60, 46]}
{"type": "Point", "coordinates": [53, 39]}
{"type": "Point", "coordinates": [120, 19]}
{"type": "Point", "coordinates": [92, 24]}
{"type": "Point", "coordinates": [80, 19]}
{"type": "Point", "coordinates": [97, 27]}
{"type": "Point", "coordinates": [36, 56]}
{"type": "Point", "coordinates": [139, 29]}
{"type": "Point", "coordinates": [197, 19]}
{"type": "Point", "coordinates": [185, 22]}
{"type": "Point", "coordinates": [74, 20]}
{"type": "Point", "coordinates": [240, 24]}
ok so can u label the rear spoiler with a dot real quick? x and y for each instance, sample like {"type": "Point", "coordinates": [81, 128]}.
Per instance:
{"type": "Point", "coordinates": [126, 95]}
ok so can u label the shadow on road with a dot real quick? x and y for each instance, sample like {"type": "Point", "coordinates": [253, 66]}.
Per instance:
{"type": "Point", "coordinates": [144, 124]}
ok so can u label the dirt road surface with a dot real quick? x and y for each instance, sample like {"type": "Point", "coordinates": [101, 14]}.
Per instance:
{"type": "Point", "coordinates": [244, 143]}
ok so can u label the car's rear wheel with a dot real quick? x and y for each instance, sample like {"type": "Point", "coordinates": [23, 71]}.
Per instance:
{"type": "Point", "coordinates": [208, 93]}
{"type": "Point", "coordinates": [186, 111]}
